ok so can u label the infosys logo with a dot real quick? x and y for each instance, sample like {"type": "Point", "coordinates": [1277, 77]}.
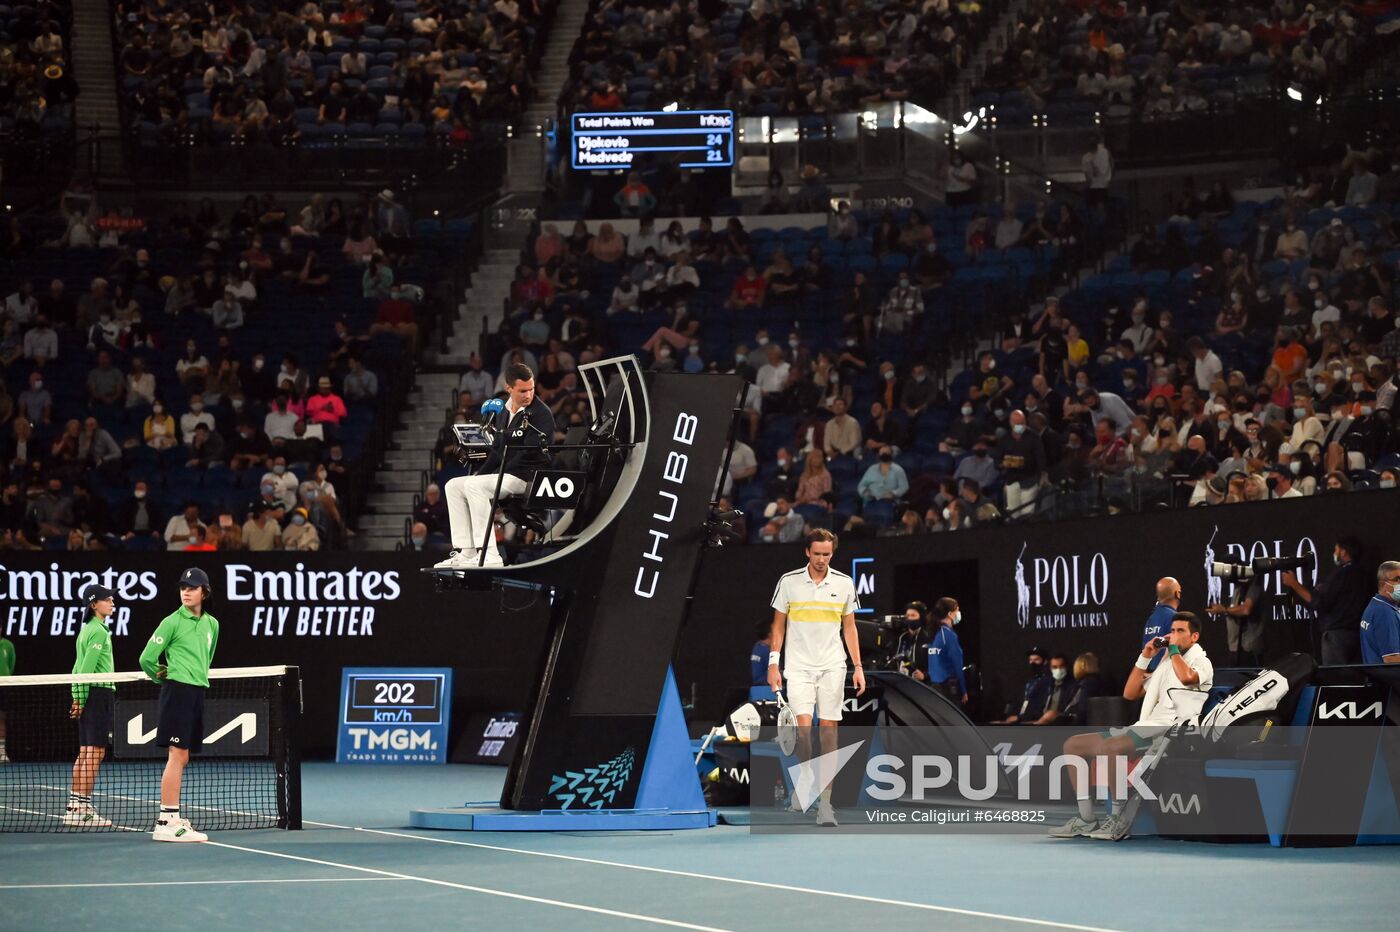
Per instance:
{"type": "Point", "coordinates": [1063, 591]}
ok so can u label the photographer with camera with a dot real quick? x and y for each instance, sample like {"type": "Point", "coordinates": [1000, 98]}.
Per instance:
{"type": "Point", "coordinates": [911, 649]}
{"type": "Point", "coordinates": [1337, 604]}
{"type": "Point", "coordinates": [945, 656]}
{"type": "Point", "coordinates": [1244, 623]}
{"type": "Point", "coordinates": [1174, 693]}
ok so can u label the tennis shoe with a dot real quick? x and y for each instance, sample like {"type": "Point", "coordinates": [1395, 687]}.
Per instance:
{"type": "Point", "coordinates": [826, 816]}
{"type": "Point", "coordinates": [1075, 828]}
{"type": "Point", "coordinates": [84, 816]}
{"type": "Point", "coordinates": [177, 830]}
{"type": "Point", "coordinates": [1113, 828]}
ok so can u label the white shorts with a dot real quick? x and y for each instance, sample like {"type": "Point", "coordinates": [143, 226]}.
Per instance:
{"type": "Point", "coordinates": [824, 690]}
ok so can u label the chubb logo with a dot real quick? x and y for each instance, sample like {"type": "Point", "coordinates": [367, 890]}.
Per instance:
{"type": "Point", "coordinates": [392, 739]}
{"type": "Point", "coordinates": [1063, 591]}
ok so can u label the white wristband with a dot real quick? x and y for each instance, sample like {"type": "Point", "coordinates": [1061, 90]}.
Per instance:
{"type": "Point", "coordinates": [773, 658]}
{"type": "Point", "coordinates": [1143, 662]}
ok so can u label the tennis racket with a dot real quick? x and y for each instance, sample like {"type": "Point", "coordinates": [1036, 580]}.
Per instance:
{"type": "Point", "coordinates": [787, 725]}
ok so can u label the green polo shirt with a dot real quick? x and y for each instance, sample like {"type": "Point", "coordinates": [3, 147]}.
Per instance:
{"type": "Point", "coordinates": [7, 657]}
{"type": "Point", "coordinates": [188, 643]}
{"type": "Point", "coordinates": [94, 656]}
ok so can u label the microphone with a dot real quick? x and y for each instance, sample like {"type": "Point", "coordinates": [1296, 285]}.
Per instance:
{"type": "Point", "coordinates": [491, 406]}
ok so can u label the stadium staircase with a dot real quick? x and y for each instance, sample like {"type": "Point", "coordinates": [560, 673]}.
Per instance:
{"type": "Point", "coordinates": [526, 165]}
{"type": "Point", "coordinates": [410, 454]}
{"type": "Point", "coordinates": [95, 70]}
{"type": "Point", "coordinates": [959, 97]}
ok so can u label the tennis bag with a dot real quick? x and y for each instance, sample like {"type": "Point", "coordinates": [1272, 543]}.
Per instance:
{"type": "Point", "coordinates": [1271, 696]}
{"type": "Point", "coordinates": [1245, 716]}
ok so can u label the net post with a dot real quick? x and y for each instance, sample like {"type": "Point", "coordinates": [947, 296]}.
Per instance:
{"type": "Point", "coordinates": [291, 711]}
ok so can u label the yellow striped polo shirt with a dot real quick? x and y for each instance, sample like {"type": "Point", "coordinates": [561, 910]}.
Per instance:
{"type": "Point", "coordinates": [814, 611]}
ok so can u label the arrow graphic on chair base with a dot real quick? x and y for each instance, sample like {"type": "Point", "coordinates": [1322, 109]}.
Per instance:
{"type": "Point", "coordinates": [594, 785]}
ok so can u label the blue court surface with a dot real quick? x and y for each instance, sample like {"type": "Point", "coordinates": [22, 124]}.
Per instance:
{"type": "Point", "coordinates": [356, 867]}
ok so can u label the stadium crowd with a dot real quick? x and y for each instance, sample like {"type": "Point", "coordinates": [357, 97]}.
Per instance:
{"type": "Point", "coordinates": [1239, 351]}
{"type": "Point", "coordinates": [266, 72]}
{"type": "Point", "coordinates": [154, 395]}
{"type": "Point", "coordinates": [1076, 60]}
{"type": "Point", "coordinates": [37, 89]}
{"type": "Point", "coordinates": [769, 57]}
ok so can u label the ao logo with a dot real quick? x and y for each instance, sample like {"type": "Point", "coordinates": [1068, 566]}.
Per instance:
{"type": "Point", "coordinates": [562, 487]}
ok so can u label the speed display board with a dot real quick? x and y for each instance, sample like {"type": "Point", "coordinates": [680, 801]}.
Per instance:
{"type": "Point", "coordinates": [618, 140]}
{"type": "Point", "coordinates": [394, 716]}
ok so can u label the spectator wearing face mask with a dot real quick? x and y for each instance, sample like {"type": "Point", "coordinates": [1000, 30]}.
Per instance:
{"type": "Point", "coordinates": [283, 482]}
{"type": "Point", "coordinates": [182, 530]}
{"type": "Point", "coordinates": [1035, 693]}
{"type": "Point", "coordinates": [884, 481]}
{"type": "Point", "coordinates": [140, 517]}
{"type": "Point", "coordinates": [159, 428]}
{"type": "Point", "coordinates": [1021, 457]}
{"type": "Point", "coordinates": [192, 418]}
{"type": "Point", "coordinates": [300, 534]}
{"type": "Point", "coordinates": [784, 526]}
{"type": "Point", "coordinates": [1061, 694]}
{"type": "Point", "coordinates": [980, 467]}
{"type": "Point", "coordinates": [261, 532]}
{"type": "Point", "coordinates": [1088, 684]}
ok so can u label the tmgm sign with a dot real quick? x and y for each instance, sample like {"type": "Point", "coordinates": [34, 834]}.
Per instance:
{"type": "Point", "coordinates": [394, 716]}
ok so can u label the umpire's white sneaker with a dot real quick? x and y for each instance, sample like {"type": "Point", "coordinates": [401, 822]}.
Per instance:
{"type": "Point", "coordinates": [84, 816]}
{"type": "Point", "coordinates": [826, 816]}
{"type": "Point", "coordinates": [177, 830]}
{"type": "Point", "coordinates": [458, 560]}
{"type": "Point", "coordinates": [1075, 828]}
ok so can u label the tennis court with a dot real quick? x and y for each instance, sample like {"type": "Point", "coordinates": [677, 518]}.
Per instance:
{"type": "Point", "coordinates": [356, 867]}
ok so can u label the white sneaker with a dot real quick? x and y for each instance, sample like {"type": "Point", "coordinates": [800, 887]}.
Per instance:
{"type": "Point", "coordinates": [177, 830]}
{"type": "Point", "coordinates": [84, 816]}
{"type": "Point", "coordinates": [1075, 828]}
{"type": "Point", "coordinates": [493, 557]}
{"type": "Point", "coordinates": [4, 758]}
{"type": "Point", "coordinates": [825, 814]}
{"type": "Point", "coordinates": [458, 560]}
{"type": "Point", "coordinates": [1113, 828]}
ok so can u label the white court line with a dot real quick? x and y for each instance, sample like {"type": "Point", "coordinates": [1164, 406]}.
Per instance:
{"type": "Point", "coordinates": [193, 883]}
{"type": "Point", "coordinates": [471, 889]}
{"type": "Point", "coordinates": [883, 901]}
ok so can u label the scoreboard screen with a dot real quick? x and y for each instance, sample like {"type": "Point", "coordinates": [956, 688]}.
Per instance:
{"type": "Point", "coordinates": [617, 140]}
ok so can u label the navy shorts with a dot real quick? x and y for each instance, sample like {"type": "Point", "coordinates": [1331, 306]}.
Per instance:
{"type": "Point", "coordinates": [181, 719]}
{"type": "Point", "coordinates": [95, 724]}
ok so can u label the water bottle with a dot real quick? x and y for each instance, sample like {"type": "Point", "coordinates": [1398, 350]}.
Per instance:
{"type": "Point", "coordinates": [779, 793]}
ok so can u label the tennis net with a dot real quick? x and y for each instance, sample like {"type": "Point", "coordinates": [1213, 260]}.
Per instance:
{"type": "Point", "coordinates": [248, 774]}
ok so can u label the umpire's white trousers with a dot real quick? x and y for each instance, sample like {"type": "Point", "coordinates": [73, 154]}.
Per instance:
{"type": "Point", "coordinates": [469, 509]}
